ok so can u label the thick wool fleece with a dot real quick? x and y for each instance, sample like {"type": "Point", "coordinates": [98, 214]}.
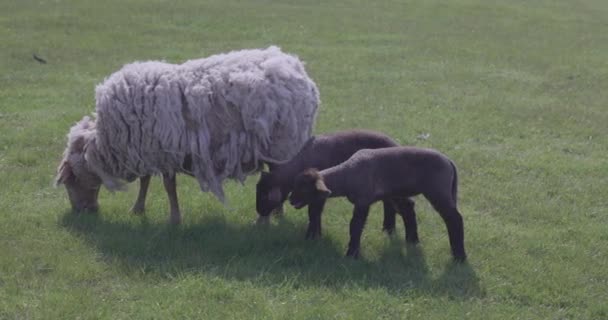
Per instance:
{"type": "Point", "coordinates": [227, 111]}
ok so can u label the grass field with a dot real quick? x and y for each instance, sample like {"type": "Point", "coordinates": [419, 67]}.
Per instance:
{"type": "Point", "coordinates": [515, 92]}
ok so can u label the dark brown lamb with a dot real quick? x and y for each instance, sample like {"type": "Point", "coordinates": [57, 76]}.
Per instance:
{"type": "Point", "coordinates": [388, 174]}
{"type": "Point", "coordinates": [320, 152]}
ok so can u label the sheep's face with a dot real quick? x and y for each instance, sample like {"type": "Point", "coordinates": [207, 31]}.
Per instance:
{"type": "Point", "coordinates": [268, 195]}
{"type": "Point", "coordinates": [81, 183]}
{"type": "Point", "coordinates": [308, 187]}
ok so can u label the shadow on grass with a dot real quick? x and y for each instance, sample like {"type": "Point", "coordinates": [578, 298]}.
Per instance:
{"type": "Point", "coordinates": [272, 254]}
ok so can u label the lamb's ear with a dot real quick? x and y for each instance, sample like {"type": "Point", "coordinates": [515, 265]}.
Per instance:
{"type": "Point", "coordinates": [322, 188]}
{"type": "Point", "coordinates": [64, 172]}
{"type": "Point", "coordinates": [275, 194]}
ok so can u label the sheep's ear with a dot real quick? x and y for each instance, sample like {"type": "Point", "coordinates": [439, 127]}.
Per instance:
{"type": "Point", "coordinates": [63, 173]}
{"type": "Point", "coordinates": [275, 194]}
{"type": "Point", "coordinates": [322, 188]}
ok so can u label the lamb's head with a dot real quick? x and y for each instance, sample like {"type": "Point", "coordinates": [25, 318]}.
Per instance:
{"type": "Point", "coordinates": [81, 183]}
{"type": "Point", "coordinates": [308, 187]}
{"type": "Point", "coordinates": [268, 195]}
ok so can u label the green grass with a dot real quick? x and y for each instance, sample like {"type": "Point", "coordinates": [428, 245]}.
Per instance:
{"type": "Point", "coordinates": [515, 92]}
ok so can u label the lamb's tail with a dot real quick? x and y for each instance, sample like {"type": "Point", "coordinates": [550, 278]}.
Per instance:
{"type": "Point", "coordinates": [454, 183]}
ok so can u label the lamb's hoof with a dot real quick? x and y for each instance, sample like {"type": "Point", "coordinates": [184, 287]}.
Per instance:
{"type": "Point", "coordinates": [460, 258]}
{"type": "Point", "coordinates": [353, 253]}
{"type": "Point", "coordinates": [175, 220]}
{"type": "Point", "coordinates": [412, 240]}
{"type": "Point", "coordinates": [87, 211]}
{"type": "Point", "coordinates": [278, 211]}
{"type": "Point", "coordinates": [262, 220]}
{"type": "Point", "coordinates": [137, 210]}
{"type": "Point", "coordinates": [388, 231]}
{"type": "Point", "coordinates": [312, 234]}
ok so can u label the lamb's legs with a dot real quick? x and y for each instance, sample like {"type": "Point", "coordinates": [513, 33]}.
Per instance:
{"type": "Point", "coordinates": [278, 211]}
{"type": "Point", "coordinates": [314, 219]}
{"type": "Point", "coordinates": [388, 225]}
{"type": "Point", "coordinates": [455, 226]}
{"type": "Point", "coordinates": [356, 228]}
{"type": "Point", "coordinates": [453, 221]}
{"type": "Point", "coordinates": [408, 214]}
{"type": "Point", "coordinates": [169, 182]}
{"type": "Point", "coordinates": [140, 203]}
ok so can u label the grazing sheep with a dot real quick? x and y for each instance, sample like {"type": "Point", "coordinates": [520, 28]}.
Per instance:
{"type": "Point", "coordinates": [214, 118]}
{"type": "Point", "coordinates": [388, 173]}
{"type": "Point", "coordinates": [320, 152]}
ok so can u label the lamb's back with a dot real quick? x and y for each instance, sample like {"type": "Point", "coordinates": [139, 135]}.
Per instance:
{"type": "Point", "coordinates": [333, 149]}
{"type": "Point", "coordinates": [395, 165]}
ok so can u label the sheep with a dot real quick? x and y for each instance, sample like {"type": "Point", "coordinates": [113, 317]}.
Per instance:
{"type": "Point", "coordinates": [388, 173]}
{"type": "Point", "coordinates": [214, 118]}
{"type": "Point", "coordinates": [320, 152]}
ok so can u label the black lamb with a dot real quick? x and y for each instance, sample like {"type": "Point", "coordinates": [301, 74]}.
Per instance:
{"type": "Point", "coordinates": [392, 175]}
{"type": "Point", "coordinates": [320, 152]}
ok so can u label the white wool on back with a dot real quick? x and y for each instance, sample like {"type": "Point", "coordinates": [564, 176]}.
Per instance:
{"type": "Point", "coordinates": [227, 111]}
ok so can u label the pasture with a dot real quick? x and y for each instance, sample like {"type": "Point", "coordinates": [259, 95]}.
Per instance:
{"type": "Point", "coordinates": [515, 92]}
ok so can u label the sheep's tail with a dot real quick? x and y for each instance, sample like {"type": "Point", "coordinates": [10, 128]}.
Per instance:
{"type": "Point", "coordinates": [454, 183]}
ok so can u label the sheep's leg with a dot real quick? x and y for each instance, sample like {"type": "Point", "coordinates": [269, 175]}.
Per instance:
{"type": "Point", "coordinates": [453, 221]}
{"type": "Point", "coordinates": [140, 203]}
{"type": "Point", "coordinates": [315, 209]}
{"type": "Point", "coordinates": [388, 225]}
{"type": "Point", "coordinates": [408, 214]}
{"type": "Point", "coordinates": [356, 228]}
{"type": "Point", "coordinates": [169, 182]}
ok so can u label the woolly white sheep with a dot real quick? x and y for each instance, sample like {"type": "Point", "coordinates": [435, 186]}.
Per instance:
{"type": "Point", "coordinates": [215, 118]}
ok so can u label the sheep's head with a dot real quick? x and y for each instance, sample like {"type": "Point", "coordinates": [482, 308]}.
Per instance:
{"type": "Point", "coordinates": [268, 195]}
{"type": "Point", "coordinates": [81, 183]}
{"type": "Point", "coordinates": [308, 187]}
